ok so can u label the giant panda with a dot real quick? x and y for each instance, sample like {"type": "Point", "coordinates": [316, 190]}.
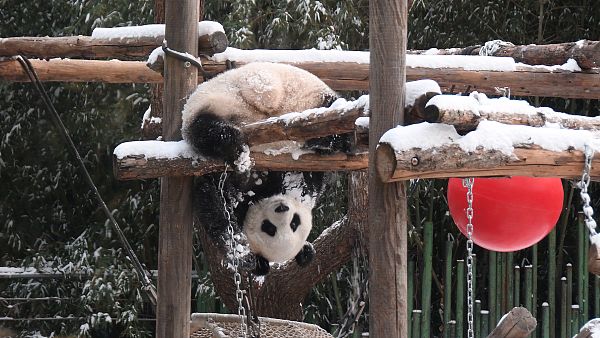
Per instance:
{"type": "Point", "coordinates": [213, 113]}
{"type": "Point", "coordinates": [272, 209]}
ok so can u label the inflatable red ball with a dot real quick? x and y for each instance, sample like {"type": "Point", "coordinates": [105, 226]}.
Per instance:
{"type": "Point", "coordinates": [509, 214]}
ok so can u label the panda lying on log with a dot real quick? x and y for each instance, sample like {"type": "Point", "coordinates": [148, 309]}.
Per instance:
{"type": "Point", "coordinates": [273, 209]}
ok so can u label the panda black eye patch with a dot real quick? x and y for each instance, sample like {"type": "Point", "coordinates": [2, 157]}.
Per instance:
{"type": "Point", "coordinates": [282, 208]}
{"type": "Point", "coordinates": [268, 228]}
{"type": "Point", "coordinates": [295, 222]}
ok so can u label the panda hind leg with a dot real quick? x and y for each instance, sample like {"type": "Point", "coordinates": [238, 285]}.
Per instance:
{"type": "Point", "coordinates": [262, 266]}
{"type": "Point", "coordinates": [306, 255]}
{"type": "Point", "coordinates": [215, 137]}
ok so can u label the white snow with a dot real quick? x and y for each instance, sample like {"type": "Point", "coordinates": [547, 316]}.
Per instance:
{"type": "Point", "coordinates": [569, 66]}
{"type": "Point", "coordinates": [362, 122]}
{"type": "Point", "coordinates": [580, 43]}
{"type": "Point", "coordinates": [156, 149]}
{"type": "Point", "coordinates": [293, 148]}
{"type": "Point", "coordinates": [488, 135]}
{"type": "Point", "coordinates": [244, 163]}
{"type": "Point", "coordinates": [414, 89]}
{"type": "Point", "coordinates": [156, 53]}
{"type": "Point", "coordinates": [467, 62]}
{"type": "Point", "coordinates": [153, 30]}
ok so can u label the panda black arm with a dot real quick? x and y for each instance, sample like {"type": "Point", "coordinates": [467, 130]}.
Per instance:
{"type": "Point", "coordinates": [215, 137]}
{"type": "Point", "coordinates": [305, 255]}
{"type": "Point", "coordinates": [262, 266]}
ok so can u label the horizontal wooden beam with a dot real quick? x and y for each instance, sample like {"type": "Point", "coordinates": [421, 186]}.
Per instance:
{"type": "Point", "coordinates": [585, 52]}
{"type": "Point", "coordinates": [465, 113]}
{"type": "Point", "coordinates": [338, 75]}
{"type": "Point", "coordinates": [98, 48]}
{"type": "Point", "coordinates": [452, 161]}
{"type": "Point", "coordinates": [141, 166]}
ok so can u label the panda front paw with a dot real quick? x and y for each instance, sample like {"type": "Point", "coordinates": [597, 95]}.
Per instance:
{"type": "Point", "coordinates": [306, 255]}
{"type": "Point", "coordinates": [262, 266]}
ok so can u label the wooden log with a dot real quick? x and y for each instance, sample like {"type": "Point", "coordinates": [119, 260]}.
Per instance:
{"type": "Point", "coordinates": [338, 75]}
{"type": "Point", "coordinates": [585, 52]}
{"type": "Point", "coordinates": [141, 166]}
{"type": "Point", "coordinates": [388, 294]}
{"type": "Point", "coordinates": [518, 323]}
{"type": "Point", "coordinates": [176, 218]}
{"type": "Point", "coordinates": [466, 116]}
{"type": "Point", "coordinates": [590, 329]}
{"type": "Point", "coordinates": [99, 48]}
{"type": "Point", "coordinates": [452, 161]}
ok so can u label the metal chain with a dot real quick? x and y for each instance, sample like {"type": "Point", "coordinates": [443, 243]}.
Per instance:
{"type": "Point", "coordinates": [588, 211]}
{"type": "Point", "coordinates": [468, 183]}
{"type": "Point", "coordinates": [232, 247]}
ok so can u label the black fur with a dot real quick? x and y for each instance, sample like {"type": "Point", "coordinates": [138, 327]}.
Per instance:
{"type": "Point", "coordinates": [268, 228]}
{"type": "Point", "coordinates": [295, 222]}
{"type": "Point", "coordinates": [262, 266]}
{"type": "Point", "coordinates": [215, 137]}
{"type": "Point", "coordinates": [305, 255]}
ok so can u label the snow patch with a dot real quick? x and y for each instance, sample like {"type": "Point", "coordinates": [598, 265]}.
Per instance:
{"type": "Point", "coordinates": [152, 31]}
{"type": "Point", "coordinates": [156, 149]}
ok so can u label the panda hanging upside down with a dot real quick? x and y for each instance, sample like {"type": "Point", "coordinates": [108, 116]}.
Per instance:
{"type": "Point", "coordinates": [274, 209]}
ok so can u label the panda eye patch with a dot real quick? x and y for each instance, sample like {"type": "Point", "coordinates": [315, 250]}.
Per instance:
{"type": "Point", "coordinates": [282, 208]}
{"type": "Point", "coordinates": [295, 222]}
{"type": "Point", "coordinates": [268, 228]}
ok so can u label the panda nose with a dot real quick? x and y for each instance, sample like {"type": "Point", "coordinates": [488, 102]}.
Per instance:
{"type": "Point", "coordinates": [282, 208]}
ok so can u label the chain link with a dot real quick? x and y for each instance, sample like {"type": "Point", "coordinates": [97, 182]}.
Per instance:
{"type": "Point", "coordinates": [232, 247]}
{"type": "Point", "coordinates": [588, 211]}
{"type": "Point", "coordinates": [468, 183]}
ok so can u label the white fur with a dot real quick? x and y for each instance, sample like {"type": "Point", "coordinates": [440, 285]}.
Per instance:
{"type": "Point", "coordinates": [286, 243]}
{"type": "Point", "coordinates": [256, 91]}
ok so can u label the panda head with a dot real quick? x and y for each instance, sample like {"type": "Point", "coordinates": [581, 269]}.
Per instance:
{"type": "Point", "coordinates": [277, 227]}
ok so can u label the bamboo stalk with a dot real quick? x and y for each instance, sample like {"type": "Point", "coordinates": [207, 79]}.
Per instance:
{"type": "Point", "coordinates": [492, 290]}
{"type": "Point", "coordinates": [581, 265]}
{"type": "Point", "coordinates": [410, 290]}
{"type": "Point", "coordinates": [596, 296]}
{"type": "Point", "coordinates": [534, 275]}
{"type": "Point", "coordinates": [528, 287]}
{"type": "Point", "coordinates": [574, 320]}
{"type": "Point", "coordinates": [551, 259]}
{"type": "Point", "coordinates": [510, 277]}
{"type": "Point", "coordinates": [586, 287]}
{"type": "Point", "coordinates": [460, 297]}
{"type": "Point", "coordinates": [517, 290]}
{"type": "Point", "coordinates": [501, 288]}
{"type": "Point", "coordinates": [452, 328]}
{"type": "Point", "coordinates": [564, 327]}
{"type": "Point", "coordinates": [485, 323]}
{"type": "Point", "coordinates": [569, 269]}
{"type": "Point", "coordinates": [336, 293]}
{"type": "Point", "coordinates": [448, 286]}
{"type": "Point", "coordinates": [545, 320]}
{"type": "Point", "coordinates": [477, 318]}
{"type": "Point", "coordinates": [416, 324]}
{"type": "Point", "coordinates": [427, 270]}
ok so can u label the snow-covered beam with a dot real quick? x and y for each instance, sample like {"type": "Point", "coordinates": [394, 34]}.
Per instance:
{"type": "Point", "coordinates": [590, 330]}
{"type": "Point", "coordinates": [465, 113]}
{"type": "Point", "coordinates": [341, 71]}
{"type": "Point", "coordinates": [114, 43]}
{"type": "Point", "coordinates": [151, 159]}
{"type": "Point", "coordinates": [437, 151]}
{"type": "Point", "coordinates": [585, 52]}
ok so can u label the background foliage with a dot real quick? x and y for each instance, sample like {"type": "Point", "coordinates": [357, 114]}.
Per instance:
{"type": "Point", "coordinates": [48, 219]}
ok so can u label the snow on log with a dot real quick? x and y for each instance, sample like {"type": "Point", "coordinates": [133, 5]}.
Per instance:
{"type": "Point", "coordinates": [351, 72]}
{"type": "Point", "coordinates": [151, 159]}
{"type": "Point", "coordinates": [518, 323]}
{"type": "Point", "coordinates": [593, 262]}
{"type": "Point", "coordinates": [585, 52]}
{"type": "Point", "coordinates": [465, 113]}
{"type": "Point", "coordinates": [428, 150]}
{"type": "Point", "coordinates": [114, 43]}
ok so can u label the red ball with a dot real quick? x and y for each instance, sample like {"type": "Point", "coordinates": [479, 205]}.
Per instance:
{"type": "Point", "coordinates": [509, 214]}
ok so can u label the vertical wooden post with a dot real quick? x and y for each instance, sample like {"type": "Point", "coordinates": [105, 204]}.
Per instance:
{"type": "Point", "coordinates": [175, 232]}
{"type": "Point", "coordinates": [387, 202]}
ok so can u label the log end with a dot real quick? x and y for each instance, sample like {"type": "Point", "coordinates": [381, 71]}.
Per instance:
{"type": "Point", "coordinates": [385, 161]}
{"type": "Point", "coordinates": [214, 43]}
{"type": "Point", "coordinates": [431, 114]}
